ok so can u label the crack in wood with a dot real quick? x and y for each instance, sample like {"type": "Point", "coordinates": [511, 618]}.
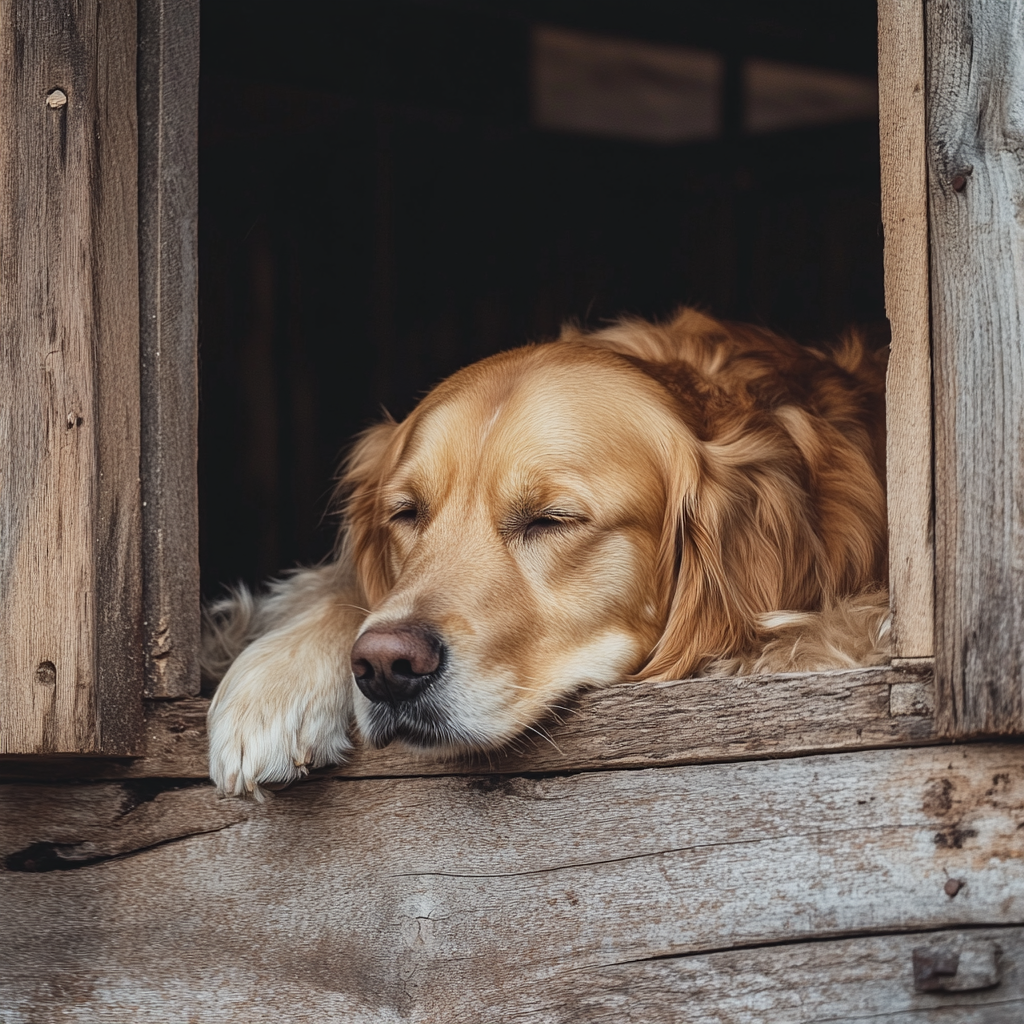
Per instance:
{"type": "Point", "coordinates": [803, 940]}
{"type": "Point", "coordinates": [941, 841]}
{"type": "Point", "coordinates": [43, 857]}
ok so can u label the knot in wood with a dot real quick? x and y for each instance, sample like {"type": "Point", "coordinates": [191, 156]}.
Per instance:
{"type": "Point", "coordinates": [46, 674]}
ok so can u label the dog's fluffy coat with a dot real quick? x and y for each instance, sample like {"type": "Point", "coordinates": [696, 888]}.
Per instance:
{"type": "Point", "coordinates": [647, 501]}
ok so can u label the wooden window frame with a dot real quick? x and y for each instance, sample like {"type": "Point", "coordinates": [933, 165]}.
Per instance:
{"type": "Point", "coordinates": [129, 530]}
{"type": "Point", "coordinates": [70, 651]}
{"type": "Point", "coordinates": [954, 244]}
{"type": "Point", "coordinates": [901, 116]}
{"type": "Point", "coordinates": [168, 91]}
{"type": "Point", "coordinates": [98, 533]}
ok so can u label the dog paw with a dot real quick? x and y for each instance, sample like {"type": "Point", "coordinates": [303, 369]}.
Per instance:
{"type": "Point", "coordinates": [283, 707]}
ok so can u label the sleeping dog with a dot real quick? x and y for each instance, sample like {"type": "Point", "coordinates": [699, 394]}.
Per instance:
{"type": "Point", "coordinates": [645, 502]}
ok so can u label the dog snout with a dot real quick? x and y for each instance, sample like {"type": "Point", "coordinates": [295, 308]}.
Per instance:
{"type": "Point", "coordinates": [395, 663]}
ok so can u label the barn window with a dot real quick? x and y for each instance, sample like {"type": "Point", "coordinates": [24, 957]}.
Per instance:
{"type": "Point", "coordinates": [355, 199]}
{"type": "Point", "coordinates": [392, 190]}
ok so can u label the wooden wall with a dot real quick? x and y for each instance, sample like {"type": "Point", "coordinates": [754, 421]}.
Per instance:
{"type": "Point", "coordinates": [605, 879]}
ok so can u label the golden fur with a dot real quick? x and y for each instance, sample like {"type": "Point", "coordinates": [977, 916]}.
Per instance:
{"type": "Point", "coordinates": [647, 501]}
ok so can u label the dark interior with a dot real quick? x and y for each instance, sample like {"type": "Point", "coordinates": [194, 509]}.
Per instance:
{"type": "Point", "coordinates": [380, 206]}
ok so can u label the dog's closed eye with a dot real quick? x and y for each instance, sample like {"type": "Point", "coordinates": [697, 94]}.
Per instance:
{"type": "Point", "coordinates": [532, 527]}
{"type": "Point", "coordinates": [406, 512]}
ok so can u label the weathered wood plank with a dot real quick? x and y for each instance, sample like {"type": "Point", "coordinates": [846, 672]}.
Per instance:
{"type": "Point", "coordinates": [841, 982]}
{"type": "Point", "coordinates": [909, 385]}
{"type": "Point", "coordinates": [469, 899]}
{"type": "Point", "coordinates": [633, 725]}
{"type": "Point", "coordinates": [976, 180]}
{"type": "Point", "coordinates": [169, 318]}
{"type": "Point", "coordinates": [70, 579]}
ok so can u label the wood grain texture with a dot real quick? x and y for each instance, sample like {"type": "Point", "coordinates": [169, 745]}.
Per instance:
{"type": "Point", "coordinates": [169, 318]}
{"type": "Point", "coordinates": [633, 725]}
{"type": "Point", "coordinates": [471, 899]}
{"type": "Point", "coordinates": [976, 185]}
{"type": "Point", "coordinates": [841, 982]}
{"type": "Point", "coordinates": [901, 97]}
{"type": "Point", "coordinates": [70, 578]}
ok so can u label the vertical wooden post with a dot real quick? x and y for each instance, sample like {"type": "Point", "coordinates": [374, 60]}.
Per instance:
{"type": "Point", "coordinates": [901, 96]}
{"type": "Point", "coordinates": [70, 528]}
{"type": "Point", "coordinates": [976, 203]}
{"type": "Point", "coordinates": [169, 293]}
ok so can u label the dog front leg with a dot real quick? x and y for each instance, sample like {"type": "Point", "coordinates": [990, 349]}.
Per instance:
{"type": "Point", "coordinates": [285, 703]}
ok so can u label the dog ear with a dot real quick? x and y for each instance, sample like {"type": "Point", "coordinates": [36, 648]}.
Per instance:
{"type": "Point", "coordinates": [736, 543]}
{"type": "Point", "coordinates": [361, 538]}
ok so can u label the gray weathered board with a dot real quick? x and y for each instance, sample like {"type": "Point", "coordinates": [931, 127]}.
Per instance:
{"type": "Point", "coordinates": [976, 207]}
{"type": "Point", "coordinates": [70, 526]}
{"type": "Point", "coordinates": [631, 725]}
{"type": "Point", "coordinates": [168, 98]}
{"type": "Point", "coordinates": [619, 895]}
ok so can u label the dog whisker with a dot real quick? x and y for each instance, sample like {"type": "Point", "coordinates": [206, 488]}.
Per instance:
{"type": "Point", "coordinates": [544, 735]}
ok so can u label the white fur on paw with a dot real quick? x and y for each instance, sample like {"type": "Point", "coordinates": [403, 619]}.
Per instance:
{"type": "Point", "coordinates": [283, 707]}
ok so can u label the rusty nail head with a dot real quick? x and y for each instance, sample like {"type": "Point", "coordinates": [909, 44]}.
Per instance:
{"type": "Point", "coordinates": [952, 886]}
{"type": "Point", "coordinates": [56, 99]}
{"type": "Point", "coordinates": [959, 180]}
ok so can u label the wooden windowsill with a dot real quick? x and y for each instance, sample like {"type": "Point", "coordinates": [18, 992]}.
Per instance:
{"type": "Point", "coordinates": [633, 725]}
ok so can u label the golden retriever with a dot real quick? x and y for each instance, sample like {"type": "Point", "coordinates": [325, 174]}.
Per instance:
{"type": "Point", "coordinates": [646, 502]}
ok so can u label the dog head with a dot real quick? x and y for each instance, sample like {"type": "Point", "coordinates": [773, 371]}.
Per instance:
{"type": "Point", "coordinates": [561, 516]}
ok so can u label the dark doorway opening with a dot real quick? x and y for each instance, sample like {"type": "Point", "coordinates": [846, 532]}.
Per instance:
{"type": "Point", "coordinates": [391, 189]}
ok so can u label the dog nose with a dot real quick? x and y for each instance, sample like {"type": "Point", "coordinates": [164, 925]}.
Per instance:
{"type": "Point", "coordinates": [397, 662]}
